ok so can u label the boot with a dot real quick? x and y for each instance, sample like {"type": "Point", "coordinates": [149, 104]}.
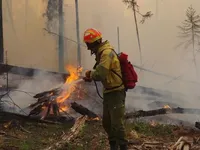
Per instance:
{"type": "Point", "coordinates": [113, 145]}
{"type": "Point", "coordinates": [123, 147]}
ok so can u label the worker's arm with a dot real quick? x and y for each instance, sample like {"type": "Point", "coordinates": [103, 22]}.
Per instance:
{"type": "Point", "coordinates": [102, 69]}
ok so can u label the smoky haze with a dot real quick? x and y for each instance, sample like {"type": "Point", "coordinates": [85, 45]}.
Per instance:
{"type": "Point", "coordinates": [24, 35]}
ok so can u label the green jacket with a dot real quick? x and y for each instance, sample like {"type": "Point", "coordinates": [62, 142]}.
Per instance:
{"type": "Point", "coordinates": [106, 61]}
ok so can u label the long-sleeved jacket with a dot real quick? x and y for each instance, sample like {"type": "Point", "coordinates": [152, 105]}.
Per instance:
{"type": "Point", "coordinates": [106, 62]}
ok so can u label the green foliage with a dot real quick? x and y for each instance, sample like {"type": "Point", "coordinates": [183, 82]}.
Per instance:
{"type": "Point", "coordinates": [149, 130]}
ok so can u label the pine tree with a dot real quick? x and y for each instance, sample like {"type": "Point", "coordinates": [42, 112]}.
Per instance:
{"type": "Point", "coordinates": [190, 30]}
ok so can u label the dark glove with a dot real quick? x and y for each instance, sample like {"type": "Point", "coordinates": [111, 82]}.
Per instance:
{"type": "Point", "coordinates": [87, 74]}
{"type": "Point", "coordinates": [87, 79]}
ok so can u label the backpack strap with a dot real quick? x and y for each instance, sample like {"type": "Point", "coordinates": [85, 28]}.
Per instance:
{"type": "Point", "coordinates": [97, 61]}
{"type": "Point", "coordinates": [99, 55]}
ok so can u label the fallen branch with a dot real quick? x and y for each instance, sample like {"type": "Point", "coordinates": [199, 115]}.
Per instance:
{"type": "Point", "coordinates": [69, 136]}
{"type": "Point", "coordinates": [181, 144]}
{"type": "Point", "coordinates": [7, 135]}
{"type": "Point", "coordinates": [162, 111]}
{"type": "Point", "coordinates": [83, 111]}
{"type": "Point", "coordinates": [15, 124]}
{"type": "Point", "coordinates": [153, 145]}
{"type": "Point", "coordinates": [5, 116]}
{"type": "Point", "coordinates": [23, 129]}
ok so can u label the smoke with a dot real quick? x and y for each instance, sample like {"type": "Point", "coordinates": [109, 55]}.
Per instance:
{"type": "Point", "coordinates": [143, 98]}
{"type": "Point", "coordinates": [21, 97]}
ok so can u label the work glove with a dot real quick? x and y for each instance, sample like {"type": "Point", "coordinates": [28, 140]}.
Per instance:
{"type": "Point", "coordinates": [87, 76]}
{"type": "Point", "coordinates": [87, 79]}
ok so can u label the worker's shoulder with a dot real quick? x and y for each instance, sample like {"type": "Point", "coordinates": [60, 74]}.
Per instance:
{"type": "Point", "coordinates": [108, 52]}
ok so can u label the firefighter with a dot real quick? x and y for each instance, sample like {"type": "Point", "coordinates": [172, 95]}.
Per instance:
{"type": "Point", "coordinates": [106, 67]}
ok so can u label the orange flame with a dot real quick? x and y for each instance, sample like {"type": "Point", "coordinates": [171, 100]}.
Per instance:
{"type": "Point", "coordinates": [153, 123]}
{"type": "Point", "coordinates": [167, 107]}
{"type": "Point", "coordinates": [94, 119]}
{"type": "Point", "coordinates": [70, 87]}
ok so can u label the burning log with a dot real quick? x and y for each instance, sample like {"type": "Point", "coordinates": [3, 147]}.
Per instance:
{"type": "Point", "coordinates": [162, 111]}
{"type": "Point", "coordinates": [55, 99]}
{"type": "Point", "coordinates": [142, 113]}
{"type": "Point", "coordinates": [69, 136]}
{"type": "Point", "coordinates": [46, 101]}
{"type": "Point", "coordinates": [83, 111]}
{"type": "Point", "coordinates": [49, 93]}
{"type": "Point", "coordinates": [157, 104]}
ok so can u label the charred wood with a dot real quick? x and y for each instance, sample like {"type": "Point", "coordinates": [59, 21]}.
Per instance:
{"type": "Point", "coordinates": [197, 125]}
{"type": "Point", "coordinates": [162, 111]}
{"type": "Point", "coordinates": [6, 116]}
{"type": "Point", "coordinates": [160, 104]}
{"type": "Point", "coordinates": [36, 111]}
{"type": "Point", "coordinates": [49, 93]}
{"type": "Point", "coordinates": [82, 110]}
{"type": "Point", "coordinates": [142, 113]}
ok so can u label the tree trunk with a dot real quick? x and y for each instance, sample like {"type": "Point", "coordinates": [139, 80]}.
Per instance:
{"type": "Point", "coordinates": [1, 33]}
{"type": "Point", "coordinates": [137, 31]}
{"type": "Point", "coordinates": [194, 58]}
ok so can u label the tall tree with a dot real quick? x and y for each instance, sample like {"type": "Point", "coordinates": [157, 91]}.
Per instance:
{"type": "Point", "coordinates": [1, 34]}
{"type": "Point", "coordinates": [190, 30]}
{"type": "Point", "coordinates": [55, 22]}
{"type": "Point", "coordinates": [52, 15]}
{"type": "Point", "coordinates": [133, 5]}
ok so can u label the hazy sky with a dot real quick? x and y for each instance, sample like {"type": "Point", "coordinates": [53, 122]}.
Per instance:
{"type": "Point", "coordinates": [158, 37]}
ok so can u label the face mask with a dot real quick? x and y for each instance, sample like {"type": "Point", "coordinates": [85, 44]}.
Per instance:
{"type": "Point", "coordinates": [91, 47]}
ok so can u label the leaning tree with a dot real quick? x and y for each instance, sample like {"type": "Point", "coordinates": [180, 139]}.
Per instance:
{"type": "Point", "coordinates": [190, 32]}
{"type": "Point", "coordinates": [132, 4]}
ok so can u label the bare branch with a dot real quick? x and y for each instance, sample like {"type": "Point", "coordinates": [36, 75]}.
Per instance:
{"type": "Point", "coordinates": [134, 6]}
{"type": "Point", "coordinates": [146, 16]}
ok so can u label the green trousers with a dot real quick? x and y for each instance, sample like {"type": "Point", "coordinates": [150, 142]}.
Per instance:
{"type": "Point", "coordinates": [113, 116]}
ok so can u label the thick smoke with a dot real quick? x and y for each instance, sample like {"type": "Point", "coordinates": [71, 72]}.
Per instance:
{"type": "Point", "coordinates": [27, 87]}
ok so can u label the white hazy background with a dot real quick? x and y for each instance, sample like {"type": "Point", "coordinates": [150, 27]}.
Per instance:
{"type": "Point", "coordinates": [24, 35]}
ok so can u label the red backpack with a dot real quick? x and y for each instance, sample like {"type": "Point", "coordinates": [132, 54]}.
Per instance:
{"type": "Point", "coordinates": [129, 75]}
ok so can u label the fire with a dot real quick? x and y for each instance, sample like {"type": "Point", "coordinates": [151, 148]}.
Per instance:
{"type": "Point", "coordinates": [69, 87]}
{"type": "Point", "coordinates": [153, 123]}
{"type": "Point", "coordinates": [97, 119]}
{"type": "Point", "coordinates": [94, 119]}
{"type": "Point", "coordinates": [167, 107]}
{"type": "Point", "coordinates": [64, 108]}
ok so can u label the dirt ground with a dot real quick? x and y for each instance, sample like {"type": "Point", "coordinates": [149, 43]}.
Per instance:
{"type": "Point", "coordinates": [35, 136]}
